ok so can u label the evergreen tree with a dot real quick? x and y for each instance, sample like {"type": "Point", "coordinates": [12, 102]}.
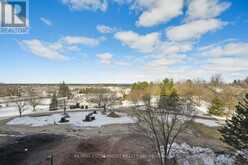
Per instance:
{"type": "Point", "coordinates": [235, 131]}
{"type": "Point", "coordinates": [168, 96]}
{"type": "Point", "coordinates": [167, 88]}
{"type": "Point", "coordinates": [54, 103]}
{"type": "Point", "coordinates": [64, 90]}
{"type": "Point", "coordinates": [217, 107]}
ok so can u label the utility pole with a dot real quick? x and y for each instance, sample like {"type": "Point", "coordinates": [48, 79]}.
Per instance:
{"type": "Point", "coordinates": [50, 157]}
{"type": "Point", "coordinates": [64, 107]}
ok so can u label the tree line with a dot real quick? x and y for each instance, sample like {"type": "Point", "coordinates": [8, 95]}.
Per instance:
{"type": "Point", "coordinates": [222, 96]}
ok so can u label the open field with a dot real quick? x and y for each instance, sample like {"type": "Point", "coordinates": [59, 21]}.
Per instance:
{"type": "Point", "coordinates": [39, 138]}
{"type": "Point", "coordinates": [110, 144]}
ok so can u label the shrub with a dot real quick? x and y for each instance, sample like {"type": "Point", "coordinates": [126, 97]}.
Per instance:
{"type": "Point", "coordinates": [217, 107]}
{"type": "Point", "coordinates": [54, 103]}
{"type": "Point", "coordinates": [113, 115]}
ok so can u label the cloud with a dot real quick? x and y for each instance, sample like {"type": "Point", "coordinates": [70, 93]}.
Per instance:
{"type": "Point", "coordinates": [155, 12]}
{"type": "Point", "coordinates": [165, 61]}
{"type": "Point", "coordinates": [59, 49]}
{"type": "Point", "coordinates": [225, 58]}
{"type": "Point", "coordinates": [105, 58]}
{"type": "Point", "coordinates": [105, 29]}
{"type": "Point", "coordinates": [143, 43]}
{"type": "Point", "coordinates": [226, 65]}
{"type": "Point", "coordinates": [121, 2]}
{"type": "Point", "coordinates": [204, 9]}
{"type": "Point", "coordinates": [151, 43]}
{"type": "Point", "coordinates": [168, 48]}
{"type": "Point", "coordinates": [43, 50]}
{"type": "Point", "coordinates": [143, 4]}
{"type": "Point", "coordinates": [46, 21]}
{"type": "Point", "coordinates": [76, 40]}
{"type": "Point", "coordinates": [193, 30]}
{"type": "Point", "coordinates": [238, 49]}
{"type": "Point", "coordinates": [94, 5]}
{"type": "Point", "coordinates": [162, 54]}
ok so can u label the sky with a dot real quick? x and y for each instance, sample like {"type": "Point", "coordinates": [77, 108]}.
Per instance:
{"type": "Point", "coordinates": [124, 41]}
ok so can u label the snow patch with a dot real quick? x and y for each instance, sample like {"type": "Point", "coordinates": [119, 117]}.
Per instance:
{"type": "Point", "coordinates": [209, 123]}
{"type": "Point", "coordinates": [13, 111]}
{"type": "Point", "coordinates": [202, 108]}
{"type": "Point", "coordinates": [218, 90]}
{"type": "Point", "coordinates": [76, 119]}
{"type": "Point", "coordinates": [187, 155]}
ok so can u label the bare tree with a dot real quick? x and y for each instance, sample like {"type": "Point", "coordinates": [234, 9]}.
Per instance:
{"type": "Point", "coordinates": [230, 99]}
{"type": "Point", "coordinates": [14, 91]}
{"type": "Point", "coordinates": [216, 80]}
{"type": "Point", "coordinates": [108, 100]}
{"type": "Point", "coordinates": [105, 100]}
{"type": "Point", "coordinates": [17, 91]}
{"type": "Point", "coordinates": [34, 100]}
{"type": "Point", "coordinates": [21, 104]}
{"type": "Point", "coordinates": [65, 94]}
{"type": "Point", "coordinates": [99, 99]}
{"type": "Point", "coordinates": [162, 125]}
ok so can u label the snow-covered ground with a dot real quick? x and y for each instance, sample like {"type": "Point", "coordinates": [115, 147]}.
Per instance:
{"type": "Point", "coordinates": [202, 108]}
{"type": "Point", "coordinates": [218, 90]}
{"type": "Point", "coordinates": [209, 123]}
{"type": "Point", "coordinates": [13, 111]}
{"type": "Point", "coordinates": [76, 119]}
{"type": "Point", "coordinates": [187, 155]}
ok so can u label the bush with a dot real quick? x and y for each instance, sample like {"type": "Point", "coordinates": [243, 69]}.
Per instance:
{"type": "Point", "coordinates": [113, 115]}
{"type": "Point", "coordinates": [54, 103]}
{"type": "Point", "coordinates": [73, 107]}
{"type": "Point", "coordinates": [217, 108]}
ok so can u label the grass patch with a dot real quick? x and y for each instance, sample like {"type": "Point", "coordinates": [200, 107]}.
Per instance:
{"type": "Point", "coordinates": [205, 131]}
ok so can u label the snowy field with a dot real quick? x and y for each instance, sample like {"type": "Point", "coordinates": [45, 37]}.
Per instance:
{"type": "Point", "coordinates": [13, 111]}
{"type": "Point", "coordinates": [76, 119]}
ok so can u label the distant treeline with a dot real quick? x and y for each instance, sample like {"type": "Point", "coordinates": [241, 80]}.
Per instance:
{"type": "Point", "coordinates": [94, 90]}
{"type": "Point", "coordinates": [57, 84]}
{"type": "Point", "coordinates": [213, 91]}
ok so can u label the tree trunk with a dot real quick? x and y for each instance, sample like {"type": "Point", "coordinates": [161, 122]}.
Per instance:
{"type": "Point", "coordinates": [105, 108]}
{"type": "Point", "coordinates": [64, 107]}
{"type": "Point", "coordinates": [20, 113]}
